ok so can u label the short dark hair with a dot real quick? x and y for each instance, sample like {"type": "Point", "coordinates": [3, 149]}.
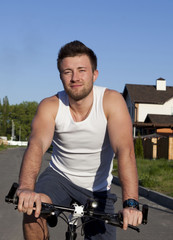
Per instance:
{"type": "Point", "coordinates": [76, 48]}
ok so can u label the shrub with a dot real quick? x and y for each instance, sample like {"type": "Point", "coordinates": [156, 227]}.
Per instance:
{"type": "Point", "coordinates": [139, 151]}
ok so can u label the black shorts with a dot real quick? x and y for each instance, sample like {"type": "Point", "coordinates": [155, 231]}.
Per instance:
{"type": "Point", "coordinates": [63, 192]}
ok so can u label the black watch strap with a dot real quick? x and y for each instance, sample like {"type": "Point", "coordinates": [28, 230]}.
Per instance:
{"type": "Point", "coordinates": [131, 203]}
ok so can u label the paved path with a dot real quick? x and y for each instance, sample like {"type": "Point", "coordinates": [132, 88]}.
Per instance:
{"type": "Point", "coordinates": [158, 228]}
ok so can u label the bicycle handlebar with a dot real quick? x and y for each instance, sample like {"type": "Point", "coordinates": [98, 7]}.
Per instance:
{"type": "Point", "coordinates": [113, 219]}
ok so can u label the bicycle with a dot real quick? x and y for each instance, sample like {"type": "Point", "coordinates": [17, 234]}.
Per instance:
{"type": "Point", "coordinates": [53, 212]}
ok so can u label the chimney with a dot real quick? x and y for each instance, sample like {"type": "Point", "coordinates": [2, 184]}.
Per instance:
{"type": "Point", "coordinates": [161, 84]}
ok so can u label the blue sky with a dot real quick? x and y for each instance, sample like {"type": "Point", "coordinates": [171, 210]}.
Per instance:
{"type": "Point", "coordinates": [133, 40]}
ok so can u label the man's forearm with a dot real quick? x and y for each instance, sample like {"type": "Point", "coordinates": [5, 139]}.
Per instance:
{"type": "Point", "coordinates": [128, 177]}
{"type": "Point", "coordinates": [30, 167]}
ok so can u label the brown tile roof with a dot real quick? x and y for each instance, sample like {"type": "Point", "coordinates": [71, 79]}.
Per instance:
{"type": "Point", "coordinates": [159, 119]}
{"type": "Point", "coordinates": [147, 94]}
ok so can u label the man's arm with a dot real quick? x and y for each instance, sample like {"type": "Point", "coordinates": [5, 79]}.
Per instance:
{"type": "Point", "coordinates": [41, 137]}
{"type": "Point", "coordinates": [120, 133]}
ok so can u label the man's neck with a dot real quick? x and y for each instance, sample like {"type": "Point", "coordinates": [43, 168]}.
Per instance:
{"type": "Point", "coordinates": [81, 109]}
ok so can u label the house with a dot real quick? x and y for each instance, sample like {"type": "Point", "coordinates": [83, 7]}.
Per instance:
{"type": "Point", "coordinates": [151, 111]}
{"type": "Point", "coordinates": [150, 107]}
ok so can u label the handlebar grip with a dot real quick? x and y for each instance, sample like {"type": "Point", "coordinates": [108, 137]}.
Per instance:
{"type": "Point", "coordinates": [10, 198]}
{"type": "Point", "coordinates": [145, 214]}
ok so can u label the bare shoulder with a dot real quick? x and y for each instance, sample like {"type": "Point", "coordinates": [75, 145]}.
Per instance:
{"type": "Point", "coordinates": [112, 94]}
{"type": "Point", "coordinates": [49, 105]}
{"type": "Point", "coordinates": [113, 101]}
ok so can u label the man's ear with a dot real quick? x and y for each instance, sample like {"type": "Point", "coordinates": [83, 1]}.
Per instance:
{"type": "Point", "coordinates": [95, 75]}
{"type": "Point", "coordinates": [60, 76]}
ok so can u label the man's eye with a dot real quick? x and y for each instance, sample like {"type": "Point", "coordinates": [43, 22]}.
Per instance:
{"type": "Point", "coordinates": [67, 72]}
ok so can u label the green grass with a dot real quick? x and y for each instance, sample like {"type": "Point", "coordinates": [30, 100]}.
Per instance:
{"type": "Point", "coordinates": [154, 174]}
{"type": "Point", "coordinates": [2, 147]}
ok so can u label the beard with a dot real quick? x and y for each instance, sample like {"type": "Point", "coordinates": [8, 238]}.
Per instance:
{"type": "Point", "coordinates": [78, 95]}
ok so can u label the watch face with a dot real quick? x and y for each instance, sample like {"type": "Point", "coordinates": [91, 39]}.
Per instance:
{"type": "Point", "coordinates": [131, 203]}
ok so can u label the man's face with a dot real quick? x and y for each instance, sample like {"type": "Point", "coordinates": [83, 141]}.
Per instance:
{"type": "Point", "coordinates": [77, 76]}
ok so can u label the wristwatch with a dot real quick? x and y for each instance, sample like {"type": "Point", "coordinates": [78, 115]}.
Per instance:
{"type": "Point", "coordinates": [131, 203]}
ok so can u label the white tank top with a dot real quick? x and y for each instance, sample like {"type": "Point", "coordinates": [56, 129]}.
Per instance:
{"type": "Point", "coordinates": [81, 150]}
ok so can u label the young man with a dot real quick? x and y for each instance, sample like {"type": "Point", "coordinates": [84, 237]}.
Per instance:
{"type": "Point", "coordinates": [86, 124]}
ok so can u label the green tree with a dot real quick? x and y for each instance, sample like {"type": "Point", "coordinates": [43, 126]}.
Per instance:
{"type": "Point", "coordinates": [4, 116]}
{"type": "Point", "coordinates": [22, 115]}
{"type": "Point", "coordinates": [0, 118]}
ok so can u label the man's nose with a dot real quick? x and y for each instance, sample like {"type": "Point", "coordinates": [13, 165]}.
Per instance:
{"type": "Point", "coordinates": [75, 76]}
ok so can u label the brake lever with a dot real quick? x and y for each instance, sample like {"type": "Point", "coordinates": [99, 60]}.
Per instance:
{"type": "Point", "coordinates": [10, 198]}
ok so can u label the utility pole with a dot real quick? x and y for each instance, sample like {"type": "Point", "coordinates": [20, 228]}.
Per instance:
{"type": "Point", "coordinates": [19, 133]}
{"type": "Point", "coordinates": [12, 131]}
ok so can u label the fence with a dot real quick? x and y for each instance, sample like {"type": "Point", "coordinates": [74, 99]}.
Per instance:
{"type": "Point", "coordinates": [158, 147]}
{"type": "Point", "coordinates": [17, 143]}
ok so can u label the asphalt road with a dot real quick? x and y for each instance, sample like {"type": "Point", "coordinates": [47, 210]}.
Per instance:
{"type": "Point", "coordinates": [159, 225]}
